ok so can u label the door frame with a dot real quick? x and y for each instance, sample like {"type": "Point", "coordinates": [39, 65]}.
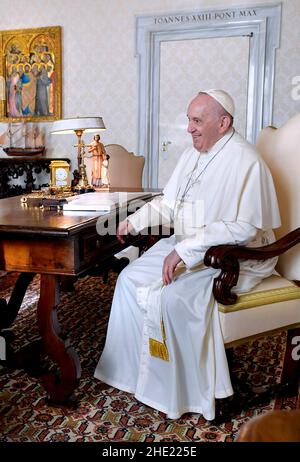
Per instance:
{"type": "Point", "coordinates": [260, 23]}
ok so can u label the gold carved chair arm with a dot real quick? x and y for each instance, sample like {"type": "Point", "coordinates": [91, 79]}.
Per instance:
{"type": "Point", "coordinates": [226, 258]}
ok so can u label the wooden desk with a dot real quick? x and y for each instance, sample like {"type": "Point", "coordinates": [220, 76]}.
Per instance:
{"type": "Point", "coordinates": [53, 244]}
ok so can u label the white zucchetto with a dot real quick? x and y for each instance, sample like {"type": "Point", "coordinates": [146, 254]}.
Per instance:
{"type": "Point", "coordinates": [223, 98]}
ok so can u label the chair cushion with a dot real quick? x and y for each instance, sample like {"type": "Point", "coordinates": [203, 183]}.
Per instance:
{"type": "Point", "coordinates": [272, 304]}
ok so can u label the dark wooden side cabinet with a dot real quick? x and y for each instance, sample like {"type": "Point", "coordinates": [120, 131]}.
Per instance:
{"type": "Point", "coordinates": [25, 169]}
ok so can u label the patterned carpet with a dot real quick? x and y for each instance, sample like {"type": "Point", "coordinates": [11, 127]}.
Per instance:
{"type": "Point", "coordinates": [104, 413]}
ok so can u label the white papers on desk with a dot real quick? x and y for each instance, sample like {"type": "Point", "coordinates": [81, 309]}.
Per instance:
{"type": "Point", "coordinates": [83, 213]}
{"type": "Point", "coordinates": [101, 201]}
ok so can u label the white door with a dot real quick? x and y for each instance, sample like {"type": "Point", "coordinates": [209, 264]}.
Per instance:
{"type": "Point", "coordinates": [187, 67]}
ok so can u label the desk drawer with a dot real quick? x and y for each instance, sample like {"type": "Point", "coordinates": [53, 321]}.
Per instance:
{"type": "Point", "coordinates": [37, 255]}
{"type": "Point", "coordinates": [93, 247]}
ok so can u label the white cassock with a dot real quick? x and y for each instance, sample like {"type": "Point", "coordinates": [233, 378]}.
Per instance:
{"type": "Point", "coordinates": [164, 343]}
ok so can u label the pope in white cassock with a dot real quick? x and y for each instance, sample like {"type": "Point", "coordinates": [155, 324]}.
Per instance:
{"type": "Point", "coordinates": [164, 342]}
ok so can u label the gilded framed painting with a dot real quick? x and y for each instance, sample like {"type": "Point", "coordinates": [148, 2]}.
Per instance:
{"type": "Point", "coordinates": [31, 75]}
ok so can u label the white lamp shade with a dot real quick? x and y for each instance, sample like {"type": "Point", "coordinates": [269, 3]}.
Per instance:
{"type": "Point", "coordinates": [87, 124]}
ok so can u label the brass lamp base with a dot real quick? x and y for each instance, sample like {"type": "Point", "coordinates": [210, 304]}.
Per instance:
{"type": "Point", "coordinates": [85, 189]}
{"type": "Point", "coordinates": [83, 185]}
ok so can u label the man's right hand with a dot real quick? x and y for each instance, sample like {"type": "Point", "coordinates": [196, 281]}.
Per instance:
{"type": "Point", "coordinates": [124, 228]}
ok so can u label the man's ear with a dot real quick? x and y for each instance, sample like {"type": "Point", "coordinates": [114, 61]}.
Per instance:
{"type": "Point", "coordinates": [225, 123]}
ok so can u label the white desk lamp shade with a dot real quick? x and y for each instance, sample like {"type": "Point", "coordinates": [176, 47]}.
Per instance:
{"type": "Point", "coordinates": [86, 124]}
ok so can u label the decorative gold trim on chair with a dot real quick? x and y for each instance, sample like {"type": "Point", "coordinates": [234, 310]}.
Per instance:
{"type": "Point", "coordinates": [263, 297]}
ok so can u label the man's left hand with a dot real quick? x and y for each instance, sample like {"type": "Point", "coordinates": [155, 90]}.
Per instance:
{"type": "Point", "coordinates": [170, 263]}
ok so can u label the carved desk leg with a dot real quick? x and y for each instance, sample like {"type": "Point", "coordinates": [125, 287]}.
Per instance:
{"type": "Point", "coordinates": [9, 311]}
{"type": "Point", "coordinates": [60, 388]}
{"type": "Point", "coordinates": [26, 357]}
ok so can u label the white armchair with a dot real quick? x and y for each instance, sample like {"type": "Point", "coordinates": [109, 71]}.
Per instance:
{"type": "Point", "coordinates": [274, 304]}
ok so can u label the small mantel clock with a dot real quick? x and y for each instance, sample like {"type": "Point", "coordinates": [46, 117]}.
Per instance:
{"type": "Point", "coordinates": [59, 173]}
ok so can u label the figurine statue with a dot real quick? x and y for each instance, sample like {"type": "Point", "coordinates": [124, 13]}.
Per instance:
{"type": "Point", "coordinates": [76, 178]}
{"type": "Point", "coordinates": [98, 151]}
{"type": "Point", "coordinates": [104, 171]}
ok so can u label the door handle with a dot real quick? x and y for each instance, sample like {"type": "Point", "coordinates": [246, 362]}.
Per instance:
{"type": "Point", "coordinates": [165, 145]}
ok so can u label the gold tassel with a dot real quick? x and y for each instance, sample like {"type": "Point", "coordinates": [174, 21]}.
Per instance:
{"type": "Point", "coordinates": [159, 349]}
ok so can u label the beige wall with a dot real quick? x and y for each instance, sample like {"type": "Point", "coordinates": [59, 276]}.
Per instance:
{"type": "Point", "coordinates": [100, 74]}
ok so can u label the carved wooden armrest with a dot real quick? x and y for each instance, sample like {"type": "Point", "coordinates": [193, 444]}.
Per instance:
{"type": "Point", "coordinates": [226, 258]}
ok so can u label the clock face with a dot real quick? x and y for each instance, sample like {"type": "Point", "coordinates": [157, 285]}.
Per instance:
{"type": "Point", "coordinates": [61, 176]}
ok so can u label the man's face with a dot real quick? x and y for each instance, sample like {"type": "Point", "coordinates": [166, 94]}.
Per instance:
{"type": "Point", "coordinates": [204, 122]}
